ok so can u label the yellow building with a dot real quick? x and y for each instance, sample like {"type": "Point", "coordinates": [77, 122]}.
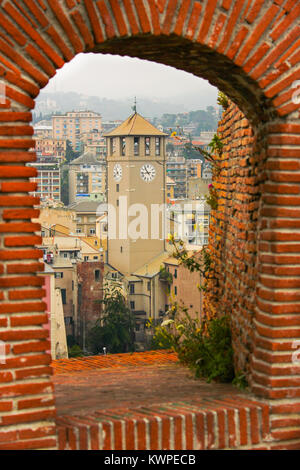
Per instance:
{"type": "Point", "coordinates": [54, 147]}
{"type": "Point", "coordinates": [71, 125]}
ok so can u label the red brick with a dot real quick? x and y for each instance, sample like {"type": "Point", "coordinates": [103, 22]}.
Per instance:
{"type": "Point", "coordinates": [91, 10]}
{"type": "Point", "coordinates": [22, 241]}
{"type": "Point", "coordinates": [106, 18]}
{"type": "Point", "coordinates": [31, 346]}
{"type": "Point", "coordinates": [143, 16]}
{"type": "Point", "coordinates": [66, 25]}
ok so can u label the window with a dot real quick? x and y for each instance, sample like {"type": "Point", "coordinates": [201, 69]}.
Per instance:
{"type": "Point", "coordinates": [157, 146]}
{"type": "Point", "coordinates": [63, 296]}
{"type": "Point", "coordinates": [58, 275]}
{"type": "Point", "coordinates": [175, 273]}
{"type": "Point", "coordinates": [148, 285]}
{"type": "Point", "coordinates": [175, 290]}
{"type": "Point", "coordinates": [92, 231]}
{"type": "Point", "coordinates": [121, 249]}
{"type": "Point", "coordinates": [86, 258]}
{"type": "Point", "coordinates": [123, 146]}
{"type": "Point", "coordinates": [117, 188]}
{"type": "Point", "coordinates": [131, 288]}
{"type": "Point", "coordinates": [97, 275]}
{"type": "Point", "coordinates": [117, 202]}
{"type": "Point", "coordinates": [132, 305]}
{"type": "Point", "coordinates": [136, 144]}
{"type": "Point", "coordinates": [112, 145]}
{"type": "Point", "coordinates": [147, 145]}
{"type": "Point", "coordinates": [72, 285]}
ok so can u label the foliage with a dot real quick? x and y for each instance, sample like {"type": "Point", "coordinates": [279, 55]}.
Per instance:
{"type": "Point", "coordinates": [216, 145]}
{"type": "Point", "coordinates": [114, 330]}
{"type": "Point", "coordinates": [64, 184]}
{"type": "Point", "coordinates": [202, 264]}
{"type": "Point", "coordinates": [70, 154]}
{"type": "Point", "coordinates": [203, 120]}
{"type": "Point", "coordinates": [165, 275]}
{"type": "Point", "coordinates": [212, 197]}
{"type": "Point", "coordinates": [240, 381]}
{"type": "Point", "coordinates": [222, 100]}
{"type": "Point", "coordinates": [204, 346]}
{"type": "Point", "coordinates": [75, 351]}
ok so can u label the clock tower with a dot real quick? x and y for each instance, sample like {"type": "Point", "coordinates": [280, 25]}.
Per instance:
{"type": "Point", "coordinates": [135, 194]}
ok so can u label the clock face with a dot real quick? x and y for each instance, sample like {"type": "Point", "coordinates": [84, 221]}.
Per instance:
{"type": "Point", "coordinates": [147, 172]}
{"type": "Point", "coordinates": [117, 172]}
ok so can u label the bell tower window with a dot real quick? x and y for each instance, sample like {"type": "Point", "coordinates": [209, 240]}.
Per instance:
{"type": "Point", "coordinates": [136, 145]}
{"type": "Point", "coordinates": [123, 146]}
{"type": "Point", "coordinates": [157, 146]}
{"type": "Point", "coordinates": [147, 145]}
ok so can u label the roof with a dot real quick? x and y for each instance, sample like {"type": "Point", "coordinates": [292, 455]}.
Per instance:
{"type": "Point", "coordinates": [177, 262]}
{"type": "Point", "coordinates": [85, 206]}
{"type": "Point", "coordinates": [170, 181]}
{"type": "Point", "coordinates": [87, 158]}
{"type": "Point", "coordinates": [133, 279]}
{"type": "Point", "coordinates": [135, 125]}
{"type": "Point", "coordinates": [65, 243]}
{"type": "Point", "coordinates": [153, 267]}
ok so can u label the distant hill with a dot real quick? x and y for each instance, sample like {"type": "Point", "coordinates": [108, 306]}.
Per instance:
{"type": "Point", "coordinates": [48, 103]}
{"type": "Point", "coordinates": [60, 102]}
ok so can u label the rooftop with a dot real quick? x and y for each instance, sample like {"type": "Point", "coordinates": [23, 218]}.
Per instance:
{"type": "Point", "coordinates": [153, 267]}
{"type": "Point", "coordinates": [87, 158]}
{"type": "Point", "coordinates": [135, 125]}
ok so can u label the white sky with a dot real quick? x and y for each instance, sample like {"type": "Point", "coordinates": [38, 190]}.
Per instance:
{"type": "Point", "coordinates": [115, 77]}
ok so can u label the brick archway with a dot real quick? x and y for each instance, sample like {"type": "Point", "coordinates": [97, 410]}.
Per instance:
{"type": "Point", "coordinates": [248, 48]}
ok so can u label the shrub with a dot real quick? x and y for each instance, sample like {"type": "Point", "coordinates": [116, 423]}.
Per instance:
{"type": "Point", "coordinates": [75, 351]}
{"type": "Point", "coordinates": [204, 347]}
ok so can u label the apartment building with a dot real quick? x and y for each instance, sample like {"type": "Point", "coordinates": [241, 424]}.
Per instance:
{"type": "Point", "coordinates": [47, 179]}
{"type": "Point", "coordinates": [51, 147]}
{"type": "Point", "coordinates": [87, 175]}
{"type": "Point", "coordinates": [73, 124]}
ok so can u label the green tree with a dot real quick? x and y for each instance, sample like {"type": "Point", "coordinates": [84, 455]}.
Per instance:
{"type": "Point", "coordinates": [70, 154]}
{"type": "Point", "coordinates": [64, 184]}
{"type": "Point", "coordinates": [114, 330]}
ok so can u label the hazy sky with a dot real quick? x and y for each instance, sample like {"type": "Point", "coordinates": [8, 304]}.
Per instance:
{"type": "Point", "coordinates": [112, 76]}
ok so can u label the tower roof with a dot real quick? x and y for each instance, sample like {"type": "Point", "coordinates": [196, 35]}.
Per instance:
{"type": "Point", "coordinates": [135, 125]}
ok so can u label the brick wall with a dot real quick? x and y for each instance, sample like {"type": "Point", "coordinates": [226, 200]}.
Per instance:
{"type": "Point", "coordinates": [233, 231]}
{"type": "Point", "coordinates": [250, 50]}
{"type": "Point", "coordinates": [90, 293]}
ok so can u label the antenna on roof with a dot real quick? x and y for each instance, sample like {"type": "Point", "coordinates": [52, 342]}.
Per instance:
{"type": "Point", "coordinates": [134, 105]}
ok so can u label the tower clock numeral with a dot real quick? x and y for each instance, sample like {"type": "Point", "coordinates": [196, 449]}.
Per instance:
{"type": "Point", "coordinates": [147, 173]}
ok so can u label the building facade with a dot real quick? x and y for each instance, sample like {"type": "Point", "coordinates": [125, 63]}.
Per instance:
{"type": "Point", "coordinates": [87, 176]}
{"type": "Point", "coordinates": [72, 124]}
